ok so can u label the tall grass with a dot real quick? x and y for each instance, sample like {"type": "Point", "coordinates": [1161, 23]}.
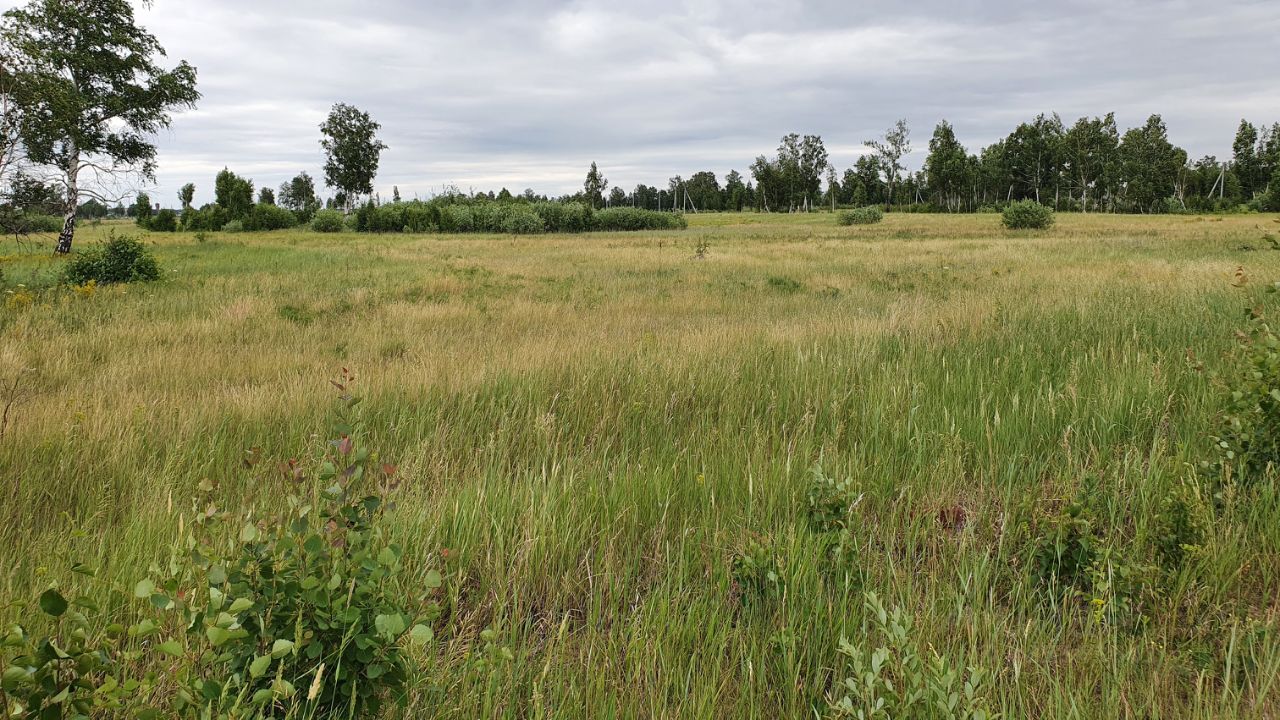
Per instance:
{"type": "Point", "coordinates": [592, 432]}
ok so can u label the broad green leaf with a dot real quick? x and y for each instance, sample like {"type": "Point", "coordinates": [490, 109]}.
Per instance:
{"type": "Point", "coordinates": [248, 533]}
{"type": "Point", "coordinates": [280, 648]}
{"type": "Point", "coordinates": [433, 579]}
{"type": "Point", "coordinates": [52, 603]}
{"type": "Point", "coordinates": [144, 588]}
{"type": "Point", "coordinates": [172, 647]}
{"type": "Point", "coordinates": [259, 666]}
{"type": "Point", "coordinates": [421, 634]}
{"type": "Point", "coordinates": [240, 605]}
{"type": "Point", "coordinates": [390, 625]}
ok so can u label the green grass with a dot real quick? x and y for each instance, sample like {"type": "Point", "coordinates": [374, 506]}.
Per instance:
{"type": "Point", "coordinates": [593, 426]}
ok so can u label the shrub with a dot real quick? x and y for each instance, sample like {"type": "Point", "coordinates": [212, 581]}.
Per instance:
{"type": "Point", "coordinates": [829, 501]}
{"type": "Point", "coordinates": [209, 218]}
{"type": "Point", "coordinates": [869, 215]}
{"type": "Point", "coordinates": [164, 221]}
{"type": "Point", "coordinates": [1248, 435]}
{"type": "Point", "coordinates": [757, 571]}
{"type": "Point", "coordinates": [564, 217]}
{"type": "Point", "coordinates": [1182, 526]}
{"type": "Point", "coordinates": [457, 218]}
{"type": "Point", "coordinates": [520, 220]}
{"type": "Point", "coordinates": [421, 217]}
{"type": "Point", "coordinates": [77, 669]}
{"type": "Point", "coordinates": [301, 612]}
{"type": "Point", "coordinates": [327, 221]}
{"type": "Point", "coordinates": [265, 216]}
{"type": "Point", "coordinates": [630, 219]}
{"type": "Point", "coordinates": [1027, 215]}
{"type": "Point", "coordinates": [121, 259]}
{"type": "Point", "coordinates": [889, 678]}
{"type": "Point", "coordinates": [25, 223]}
{"type": "Point", "coordinates": [234, 226]}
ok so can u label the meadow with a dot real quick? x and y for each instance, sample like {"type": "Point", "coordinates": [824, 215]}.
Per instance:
{"type": "Point", "coordinates": [623, 452]}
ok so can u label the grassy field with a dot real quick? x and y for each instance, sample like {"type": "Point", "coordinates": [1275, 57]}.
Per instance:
{"type": "Point", "coordinates": [596, 430]}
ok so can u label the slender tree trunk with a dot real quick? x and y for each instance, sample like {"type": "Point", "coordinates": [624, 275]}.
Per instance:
{"type": "Point", "coordinates": [73, 201]}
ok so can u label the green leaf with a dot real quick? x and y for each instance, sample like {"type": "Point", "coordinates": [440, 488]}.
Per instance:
{"type": "Point", "coordinates": [160, 601]}
{"type": "Point", "coordinates": [248, 533]}
{"type": "Point", "coordinates": [388, 557]}
{"type": "Point", "coordinates": [390, 625]}
{"type": "Point", "coordinates": [145, 628]}
{"type": "Point", "coordinates": [52, 603]}
{"type": "Point", "coordinates": [217, 636]}
{"type": "Point", "coordinates": [261, 696]}
{"type": "Point", "coordinates": [259, 666]}
{"type": "Point", "coordinates": [144, 588]}
{"type": "Point", "coordinates": [280, 648]}
{"type": "Point", "coordinates": [433, 579]}
{"type": "Point", "coordinates": [240, 605]}
{"type": "Point", "coordinates": [421, 634]}
{"type": "Point", "coordinates": [172, 647]}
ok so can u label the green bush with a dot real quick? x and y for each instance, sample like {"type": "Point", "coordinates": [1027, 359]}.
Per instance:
{"type": "Point", "coordinates": [265, 216]}
{"type": "Point", "coordinates": [868, 215]}
{"type": "Point", "coordinates": [164, 221]}
{"type": "Point", "coordinates": [77, 670]}
{"type": "Point", "coordinates": [1248, 436]}
{"type": "Point", "coordinates": [301, 614]}
{"type": "Point", "coordinates": [24, 223]}
{"type": "Point", "coordinates": [233, 226]}
{"type": "Point", "coordinates": [564, 217]}
{"type": "Point", "coordinates": [1027, 215]}
{"type": "Point", "coordinates": [630, 219]}
{"type": "Point", "coordinates": [121, 259]}
{"type": "Point", "coordinates": [829, 502]}
{"type": "Point", "coordinates": [327, 221]}
{"type": "Point", "coordinates": [209, 218]}
{"type": "Point", "coordinates": [457, 218]}
{"type": "Point", "coordinates": [890, 678]}
{"type": "Point", "coordinates": [757, 570]}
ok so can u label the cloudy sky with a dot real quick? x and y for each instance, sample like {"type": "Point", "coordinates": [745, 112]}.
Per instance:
{"type": "Point", "coordinates": [527, 94]}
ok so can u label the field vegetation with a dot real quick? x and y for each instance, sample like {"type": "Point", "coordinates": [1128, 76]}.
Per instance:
{"type": "Point", "coordinates": [765, 466]}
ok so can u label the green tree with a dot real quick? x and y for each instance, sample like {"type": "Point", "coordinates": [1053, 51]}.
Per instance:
{"type": "Point", "coordinates": [704, 191]}
{"type": "Point", "coordinates": [1244, 154]}
{"type": "Point", "coordinates": [186, 194]}
{"type": "Point", "coordinates": [299, 195]}
{"type": "Point", "coordinates": [800, 163]}
{"type": "Point", "coordinates": [142, 209]}
{"type": "Point", "coordinates": [1149, 165]}
{"type": "Point", "coordinates": [735, 193]}
{"type": "Point", "coordinates": [889, 151]}
{"type": "Point", "coordinates": [233, 193]}
{"type": "Point", "coordinates": [1089, 156]}
{"type": "Point", "coordinates": [352, 150]}
{"type": "Point", "coordinates": [91, 92]}
{"type": "Point", "coordinates": [594, 186]}
{"type": "Point", "coordinates": [947, 168]}
{"type": "Point", "coordinates": [267, 196]}
{"type": "Point", "coordinates": [1032, 155]}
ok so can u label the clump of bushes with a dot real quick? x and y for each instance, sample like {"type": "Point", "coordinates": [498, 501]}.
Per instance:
{"type": "Point", "coordinates": [869, 215]}
{"type": "Point", "coordinates": [121, 259]}
{"type": "Point", "coordinates": [631, 219]}
{"type": "Point", "coordinates": [1027, 215]}
{"type": "Point", "coordinates": [265, 216]}
{"type": "Point", "coordinates": [209, 218]}
{"type": "Point", "coordinates": [564, 217]}
{"type": "Point", "coordinates": [164, 221]}
{"type": "Point", "coordinates": [327, 221]}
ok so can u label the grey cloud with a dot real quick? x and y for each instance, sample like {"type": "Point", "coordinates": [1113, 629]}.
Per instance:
{"type": "Point", "coordinates": [527, 94]}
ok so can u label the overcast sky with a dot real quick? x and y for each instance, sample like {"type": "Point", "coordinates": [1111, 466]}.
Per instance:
{"type": "Point", "coordinates": [527, 94]}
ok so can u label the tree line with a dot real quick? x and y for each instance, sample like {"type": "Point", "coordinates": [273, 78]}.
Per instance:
{"type": "Point", "coordinates": [83, 92]}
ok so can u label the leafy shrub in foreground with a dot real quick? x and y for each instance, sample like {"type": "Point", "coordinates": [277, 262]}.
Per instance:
{"type": "Point", "coordinates": [327, 221]}
{"type": "Point", "coordinates": [265, 216]}
{"type": "Point", "coordinates": [631, 219]}
{"type": "Point", "coordinates": [121, 259]}
{"type": "Point", "coordinates": [77, 670]}
{"type": "Point", "coordinates": [299, 614]}
{"type": "Point", "coordinates": [1248, 438]}
{"type": "Point", "coordinates": [1027, 215]}
{"type": "Point", "coordinates": [757, 571]}
{"type": "Point", "coordinates": [868, 215]}
{"type": "Point", "coordinates": [829, 501]}
{"type": "Point", "coordinates": [888, 677]}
